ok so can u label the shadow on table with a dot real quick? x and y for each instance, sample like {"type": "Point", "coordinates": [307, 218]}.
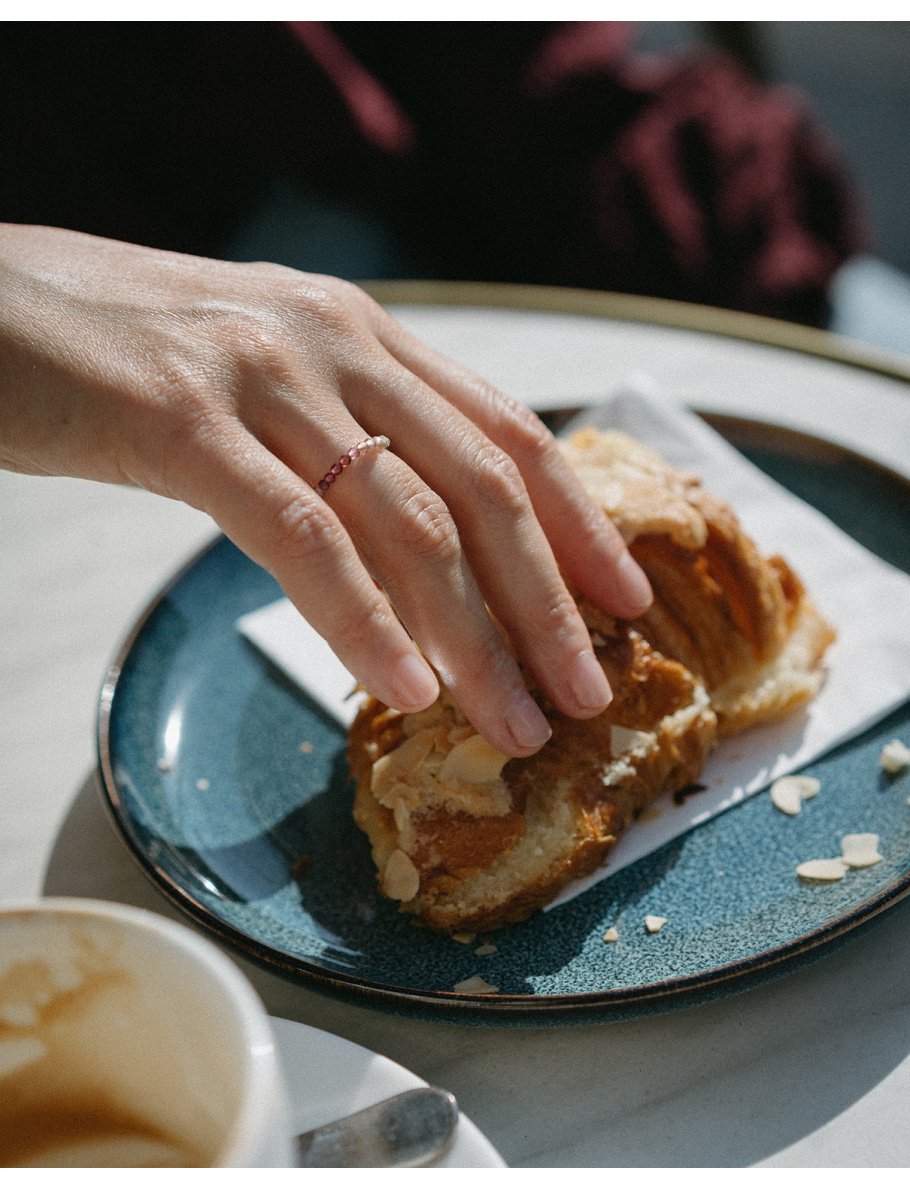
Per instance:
{"type": "Point", "coordinates": [730, 1083]}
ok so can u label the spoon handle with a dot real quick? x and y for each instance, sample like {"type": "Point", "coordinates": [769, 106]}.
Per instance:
{"type": "Point", "coordinates": [409, 1129]}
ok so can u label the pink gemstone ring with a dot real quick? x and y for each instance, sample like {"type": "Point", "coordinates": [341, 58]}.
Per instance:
{"type": "Point", "coordinates": [379, 442]}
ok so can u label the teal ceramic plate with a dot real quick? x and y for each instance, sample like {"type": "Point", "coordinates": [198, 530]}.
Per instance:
{"type": "Point", "coordinates": [230, 789]}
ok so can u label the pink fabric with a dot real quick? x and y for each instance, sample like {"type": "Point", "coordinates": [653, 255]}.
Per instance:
{"type": "Point", "coordinates": [574, 159]}
{"type": "Point", "coordinates": [375, 112]}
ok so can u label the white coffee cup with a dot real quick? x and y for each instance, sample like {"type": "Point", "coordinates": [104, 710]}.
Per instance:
{"type": "Point", "coordinates": [127, 1039]}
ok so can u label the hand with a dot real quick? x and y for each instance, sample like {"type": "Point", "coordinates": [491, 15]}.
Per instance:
{"type": "Point", "coordinates": [234, 387]}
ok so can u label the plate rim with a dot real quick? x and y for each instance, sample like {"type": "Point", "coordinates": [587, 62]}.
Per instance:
{"type": "Point", "coordinates": [670, 992]}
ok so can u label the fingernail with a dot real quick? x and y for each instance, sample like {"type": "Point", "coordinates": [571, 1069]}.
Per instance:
{"type": "Point", "coordinates": [526, 721]}
{"type": "Point", "coordinates": [633, 581]}
{"type": "Point", "coordinates": [589, 682]}
{"type": "Point", "coordinates": [414, 684]}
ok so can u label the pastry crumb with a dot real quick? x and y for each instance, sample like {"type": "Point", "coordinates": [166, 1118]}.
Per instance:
{"type": "Point", "coordinates": [654, 923]}
{"type": "Point", "coordinates": [465, 939]}
{"type": "Point", "coordinates": [306, 747]}
{"type": "Point", "coordinates": [895, 756]}
{"type": "Point", "coordinates": [164, 765]}
{"type": "Point", "coordinates": [611, 935]}
{"type": "Point", "coordinates": [486, 948]}
{"type": "Point", "coordinates": [202, 784]}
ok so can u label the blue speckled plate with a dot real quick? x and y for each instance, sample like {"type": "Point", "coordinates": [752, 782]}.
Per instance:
{"type": "Point", "coordinates": [230, 789]}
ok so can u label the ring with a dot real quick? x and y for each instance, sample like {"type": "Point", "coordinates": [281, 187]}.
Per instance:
{"type": "Point", "coordinates": [379, 442]}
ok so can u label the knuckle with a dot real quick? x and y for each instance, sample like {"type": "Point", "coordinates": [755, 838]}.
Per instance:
{"type": "Point", "coordinates": [496, 480]}
{"type": "Point", "coordinates": [427, 529]}
{"type": "Point", "coordinates": [361, 627]}
{"type": "Point", "coordinates": [527, 439]}
{"type": "Point", "coordinates": [194, 417]}
{"type": "Point", "coordinates": [561, 616]}
{"type": "Point", "coordinates": [302, 530]}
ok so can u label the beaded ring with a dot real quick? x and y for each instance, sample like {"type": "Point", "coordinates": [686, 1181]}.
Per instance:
{"type": "Point", "coordinates": [379, 442]}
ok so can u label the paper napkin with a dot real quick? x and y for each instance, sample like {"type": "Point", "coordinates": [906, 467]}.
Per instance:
{"type": "Point", "coordinates": [868, 601]}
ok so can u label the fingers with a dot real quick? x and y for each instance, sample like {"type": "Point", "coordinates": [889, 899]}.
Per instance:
{"type": "Point", "coordinates": [412, 544]}
{"type": "Point", "coordinates": [285, 526]}
{"type": "Point", "coordinates": [587, 545]}
{"type": "Point", "coordinates": [498, 542]}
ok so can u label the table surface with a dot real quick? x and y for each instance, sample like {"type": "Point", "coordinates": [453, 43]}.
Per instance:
{"type": "Point", "coordinates": [812, 1069]}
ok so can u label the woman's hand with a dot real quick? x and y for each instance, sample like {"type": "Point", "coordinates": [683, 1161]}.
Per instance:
{"type": "Point", "coordinates": [235, 387]}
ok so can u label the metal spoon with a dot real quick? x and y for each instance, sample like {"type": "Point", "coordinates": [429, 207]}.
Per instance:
{"type": "Point", "coordinates": [409, 1129]}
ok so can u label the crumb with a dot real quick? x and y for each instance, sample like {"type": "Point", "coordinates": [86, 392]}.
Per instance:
{"type": "Point", "coordinates": [202, 784]}
{"type": "Point", "coordinates": [306, 747]}
{"type": "Point", "coordinates": [611, 935]}
{"type": "Point", "coordinates": [687, 791]}
{"type": "Point", "coordinates": [474, 983]}
{"type": "Point", "coordinates": [895, 756]}
{"type": "Point", "coordinates": [164, 765]}
{"type": "Point", "coordinates": [654, 924]}
{"type": "Point", "coordinates": [464, 938]}
{"type": "Point", "coordinates": [486, 948]}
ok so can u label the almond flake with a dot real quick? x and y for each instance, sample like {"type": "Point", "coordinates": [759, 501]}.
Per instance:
{"type": "Point", "coordinates": [822, 869]}
{"type": "Point", "coordinates": [474, 983]}
{"type": "Point", "coordinates": [487, 948]}
{"type": "Point", "coordinates": [400, 880]}
{"type": "Point", "coordinates": [654, 924]}
{"type": "Point", "coordinates": [788, 793]}
{"type": "Point", "coordinates": [895, 756]}
{"type": "Point", "coordinates": [474, 761]}
{"type": "Point", "coordinates": [860, 851]}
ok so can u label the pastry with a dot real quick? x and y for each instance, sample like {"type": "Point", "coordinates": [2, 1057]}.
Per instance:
{"type": "Point", "coordinates": [744, 623]}
{"type": "Point", "coordinates": [468, 840]}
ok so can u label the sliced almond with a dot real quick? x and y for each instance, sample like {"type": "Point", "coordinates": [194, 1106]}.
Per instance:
{"type": "Point", "coordinates": [400, 762]}
{"type": "Point", "coordinates": [626, 739]}
{"type": "Point", "coordinates": [474, 983]}
{"type": "Point", "coordinates": [788, 793]}
{"type": "Point", "coordinates": [654, 923]}
{"type": "Point", "coordinates": [860, 851]}
{"type": "Point", "coordinates": [474, 761]}
{"type": "Point", "coordinates": [822, 869]}
{"type": "Point", "coordinates": [400, 880]}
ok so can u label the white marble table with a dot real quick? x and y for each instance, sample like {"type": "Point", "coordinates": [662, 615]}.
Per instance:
{"type": "Point", "coordinates": [810, 1070]}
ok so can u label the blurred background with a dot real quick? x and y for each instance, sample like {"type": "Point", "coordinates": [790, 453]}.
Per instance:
{"type": "Point", "coordinates": [758, 166]}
